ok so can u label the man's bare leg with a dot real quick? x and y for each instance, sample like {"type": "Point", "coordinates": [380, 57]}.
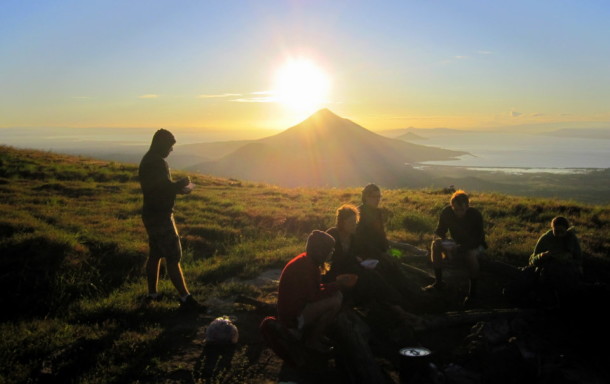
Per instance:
{"type": "Point", "coordinates": [177, 277]}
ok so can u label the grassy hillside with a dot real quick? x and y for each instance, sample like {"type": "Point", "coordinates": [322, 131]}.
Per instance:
{"type": "Point", "coordinates": [73, 248]}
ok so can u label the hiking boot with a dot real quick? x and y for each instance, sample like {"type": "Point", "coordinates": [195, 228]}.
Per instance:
{"type": "Point", "coordinates": [192, 305]}
{"type": "Point", "coordinates": [436, 286]}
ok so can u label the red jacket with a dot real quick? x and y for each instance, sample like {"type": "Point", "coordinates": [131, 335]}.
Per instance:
{"type": "Point", "coordinates": [300, 284]}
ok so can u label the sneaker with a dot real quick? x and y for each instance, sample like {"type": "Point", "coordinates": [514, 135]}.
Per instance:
{"type": "Point", "coordinates": [436, 286]}
{"type": "Point", "coordinates": [192, 305]}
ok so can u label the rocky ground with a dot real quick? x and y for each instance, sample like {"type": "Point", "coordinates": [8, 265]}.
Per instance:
{"type": "Point", "coordinates": [490, 343]}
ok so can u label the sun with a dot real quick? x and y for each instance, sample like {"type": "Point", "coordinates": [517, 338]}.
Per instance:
{"type": "Point", "coordinates": [301, 85]}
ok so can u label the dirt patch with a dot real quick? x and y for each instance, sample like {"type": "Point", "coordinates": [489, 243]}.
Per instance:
{"type": "Point", "coordinates": [494, 343]}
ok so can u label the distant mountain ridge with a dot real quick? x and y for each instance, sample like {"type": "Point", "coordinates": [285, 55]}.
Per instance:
{"type": "Point", "coordinates": [323, 150]}
{"type": "Point", "coordinates": [581, 133]}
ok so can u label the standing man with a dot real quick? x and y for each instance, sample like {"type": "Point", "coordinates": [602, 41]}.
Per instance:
{"type": "Point", "coordinates": [158, 216]}
{"type": "Point", "coordinates": [465, 224]}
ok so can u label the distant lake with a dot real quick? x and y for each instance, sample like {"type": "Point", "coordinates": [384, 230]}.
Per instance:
{"type": "Point", "coordinates": [506, 150]}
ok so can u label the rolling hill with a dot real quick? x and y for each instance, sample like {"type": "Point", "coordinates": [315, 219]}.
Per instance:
{"type": "Point", "coordinates": [73, 248]}
{"type": "Point", "coordinates": [324, 150]}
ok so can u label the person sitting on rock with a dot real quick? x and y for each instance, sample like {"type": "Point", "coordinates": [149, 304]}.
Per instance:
{"type": "Point", "coordinates": [554, 268]}
{"type": "Point", "coordinates": [305, 306]}
{"type": "Point", "coordinates": [465, 224]}
{"type": "Point", "coordinates": [371, 288]}
{"type": "Point", "coordinates": [371, 243]}
{"type": "Point", "coordinates": [558, 256]}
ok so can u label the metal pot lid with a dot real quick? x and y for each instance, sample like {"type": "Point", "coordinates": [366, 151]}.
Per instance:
{"type": "Point", "coordinates": [415, 352]}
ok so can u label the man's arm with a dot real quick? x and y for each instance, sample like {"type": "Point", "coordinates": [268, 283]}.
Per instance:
{"type": "Point", "coordinates": [155, 175]}
{"type": "Point", "coordinates": [541, 250]}
{"type": "Point", "coordinates": [442, 226]}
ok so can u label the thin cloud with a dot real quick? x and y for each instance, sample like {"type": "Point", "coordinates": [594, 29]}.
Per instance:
{"type": "Point", "coordinates": [461, 57]}
{"type": "Point", "coordinates": [537, 114]}
{"type": "Point", "coordinates": [81, 97]}
{"type": "Point", "coordinates": [218, 96]}
{"type": "Point", "coordinates": [514, 113]}
{"type": "Point", "coordinates": [485, 52]}
{"type": "Point", "coordinates": [149, 96]}
{"type": "Point", "coordinates": [255, 100]}
{"type": "Point", "coordinates": [258, 97]}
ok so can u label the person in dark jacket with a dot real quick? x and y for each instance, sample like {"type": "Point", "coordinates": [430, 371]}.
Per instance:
{"type": "Point", "coordinates": [554, 271]}
{"type": "Point", "coordinates": [557, 258]}
{"type": "Point", "coordinates": [158, 216]}
{"type": "Point", "coordinates": [371, 288]}
{"type": "Point", "coordinates": [371, 243]}
{"type": "Point", "coordinates": [465, 224]}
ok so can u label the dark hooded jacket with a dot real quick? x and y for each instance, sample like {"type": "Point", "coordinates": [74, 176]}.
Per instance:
{"type": "Point", "coordinates": [155, 179]}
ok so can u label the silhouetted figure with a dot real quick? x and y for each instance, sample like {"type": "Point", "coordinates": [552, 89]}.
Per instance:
{"type": "Point", "coordinates": [371, 243]}
{"type": "Point", "coordinates": [305, 306]}
{"type": "Point", "coordinates": [465, 224]}
{"type": "Point", "coordinates": [158, 216]}
{"type": "Point", "coordinates": [555, 266]}
{"type": "Point", "coordinates": [371, 288]}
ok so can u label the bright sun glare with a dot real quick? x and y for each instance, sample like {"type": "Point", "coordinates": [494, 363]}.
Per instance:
{"type": "Point", "coordinates": [301, 85]}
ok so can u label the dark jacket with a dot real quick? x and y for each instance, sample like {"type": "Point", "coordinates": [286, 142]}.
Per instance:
{"type": "Point", "coordinates": [564, 249]}
{"type": "Point", "coordinates": [157, 186]}
{"type": "Point", "coordinates": [371, 238]}
{"type": "Point", "coordinates": [342, 260]}
{"type": "Point", "coordinates": [467, 231]}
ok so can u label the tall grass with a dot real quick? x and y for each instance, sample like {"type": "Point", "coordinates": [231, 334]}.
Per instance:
{"type": "Point", "coordinates": [73, 248]}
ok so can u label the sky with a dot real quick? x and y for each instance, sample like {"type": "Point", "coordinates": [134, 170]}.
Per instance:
{"type": "Point", "coordinates": [384, 64]}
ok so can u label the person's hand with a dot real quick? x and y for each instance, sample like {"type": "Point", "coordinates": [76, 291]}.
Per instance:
{"type": "Point", "coordinates": [347, 280]}
{"type": "Point", "coordinates": [184, 182]}
{"type": "Point", "coordinates": [185, 185]}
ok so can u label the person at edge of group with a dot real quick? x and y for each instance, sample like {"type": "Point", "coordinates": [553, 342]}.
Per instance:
{"type": "Point", "coordinates": [370, 288]}
{"type": "Point", "coordinates": [465, 224]}
{"type": "Point", "coordinates": [371, 242]}
{"type": "Point", "coordinates": [158, 216]}
{"type": "Point", "coordinates": [306, 306]}
{"type": "Point", "coordinates": [555, 266]}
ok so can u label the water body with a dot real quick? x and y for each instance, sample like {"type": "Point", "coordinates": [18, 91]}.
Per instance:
{"type": "Point", "coordinates": [523, 152]}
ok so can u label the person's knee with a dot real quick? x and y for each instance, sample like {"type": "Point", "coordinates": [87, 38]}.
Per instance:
{"type": "Point", "coordinates": [437, 245]}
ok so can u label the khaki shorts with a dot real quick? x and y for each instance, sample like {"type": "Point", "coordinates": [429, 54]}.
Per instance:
{"type": "Point", "coordinates": [163, 238]}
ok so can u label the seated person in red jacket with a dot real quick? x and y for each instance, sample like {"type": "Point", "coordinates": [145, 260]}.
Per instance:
{"type": "Point", "coordinates": [306, 306]}
{"type": "Point", "coordinates": [465, 224]}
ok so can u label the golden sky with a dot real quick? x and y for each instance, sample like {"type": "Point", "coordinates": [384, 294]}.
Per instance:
{"type": "Point", "coordinates": [269, 64]}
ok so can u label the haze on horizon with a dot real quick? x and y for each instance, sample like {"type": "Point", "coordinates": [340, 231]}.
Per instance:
{"type": "Point", "coordinates": [254, 65]}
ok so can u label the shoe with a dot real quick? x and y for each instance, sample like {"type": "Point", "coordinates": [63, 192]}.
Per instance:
{"type": "Point", "coordinates": [192, 305]}
{"type": "Point", "coordinates": [436, 286]}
